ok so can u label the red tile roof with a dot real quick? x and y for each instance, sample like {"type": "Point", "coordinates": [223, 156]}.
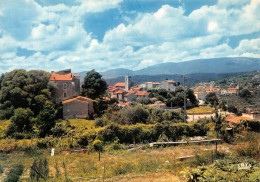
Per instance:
{"type": "Point", "coordinates": [237, 120]}
{"type": "Point", "coordinates": [120, 85]}
{"type": "Point", "coordinates": [79, 98]}
{"type": "Point", "coordinates": [129, 93]}
{"type": "Point", "coordinates": [142, 93]}
{"type": "Point", "coordinates": [106, 98]}
{"type": "Point", "coordinates": [113, 89]}
{"type": "Point", "coordinates": [170, 81]}
{"type": "Point", "coordinates": [136, 88]}
{"type": "Point", "coordinates": [67, 77]}
{"type": "Point", "coordinates": [119, 92]}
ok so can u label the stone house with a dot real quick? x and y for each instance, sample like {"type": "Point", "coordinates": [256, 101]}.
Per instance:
{"type": "Point", "coordinates": [66, 85]}
{"type": "Point", "coordinates": [169, 85]}
{"type": "Point", "coordinates": [130, 96]}
{"type": "Point", "coordinates": [78, 107]}
{"type": "Point", "coordinates": [67, 90]}
{"type": "Point", "coordinates": [142, 94]}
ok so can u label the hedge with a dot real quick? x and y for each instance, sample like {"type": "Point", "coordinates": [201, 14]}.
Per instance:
{"type": "Point", "coordinates": [140, 133]}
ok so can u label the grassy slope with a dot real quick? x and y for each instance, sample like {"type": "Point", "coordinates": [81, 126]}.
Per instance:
{"type": "Point", "coordinates": [121, 165]}
{"type": "Point", "coordinates": [144, 164]}
{"type": "Point", "coordinates": [201, 109]}
{"type": "Point", "coordinates": [3, 126]}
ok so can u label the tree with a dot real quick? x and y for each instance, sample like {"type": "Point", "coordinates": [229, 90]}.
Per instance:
{"type": "Point", "coordinates": [192, 97]}
{"type": "Point", "coordinates": [19, 89]}
{"type": "Point", "coordinates": [1, 80]}
{"type": "Point", "coordinates": [244, 93]}
{"type": "Point", "coordinates": [94, 86]}
{"type": "Point", "coordinates": [21, 121]}
{"type": "Point", "coordinates": [45, 120]}
{"type": "Point", "coordinates": [211, 99]}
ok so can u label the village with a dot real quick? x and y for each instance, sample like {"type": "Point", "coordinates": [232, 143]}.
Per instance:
{"type": "Point", "coordinates": [92, 130]}
{"type": "Point", "coordinates": [76, 106]}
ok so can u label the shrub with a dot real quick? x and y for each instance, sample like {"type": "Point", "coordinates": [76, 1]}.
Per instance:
{"type": "Point", "coordinates": [97, 145]}
{"type": "Point", "coordinates": [19, 135]}
{"type": "Point", "coordinates": [58, 130]}
{"type": "Point", "coordinates": [225, 170]}
{"type": "Point", "coordinates": [39, 169]}
{"type": "Point", "coordinates": [141, 132]}
{"type": "Point", "coordinates": [46, 142]}
{"type": "Point", "coordinates": [115, 145]}
{"type": "Point", "coordinates": [249, 149]}
{"type": "Point", "coordinates": [1, 169]}
{"type": "Point", "coordinates": [15, 173]}
{"type": "Point", "coordinates": [101, 122]}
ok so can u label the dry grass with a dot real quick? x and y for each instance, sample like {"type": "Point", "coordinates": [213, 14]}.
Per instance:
{"type": "Point", "coordinates": [81, 123]}
{"type": "Point", "coordinates": [3, 127]}
{"type": "Point", "coordinates": [164, 176]}
{"type": "Point", "coordinates": [123, 165]}
{"type": "Point", "coordinates": [201, 109]}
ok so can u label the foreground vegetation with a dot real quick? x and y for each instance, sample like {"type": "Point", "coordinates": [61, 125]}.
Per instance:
{"type": "Point", "coordinates": [128, 163]}
{"type": "Point", "coordinates": [119, 163]}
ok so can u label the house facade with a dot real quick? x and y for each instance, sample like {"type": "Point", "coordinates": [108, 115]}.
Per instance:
{"type": "Point", "coordinates": [66, 85]}
{"type": "Point", "coordinates": [168, 85]}
{"type": "Point", "coordinates": [78, 107]}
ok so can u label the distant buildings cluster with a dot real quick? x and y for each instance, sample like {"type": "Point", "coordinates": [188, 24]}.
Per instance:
{"type": "Point", "coordinates": [128, 91]}
{"type": "Point", "coordinates": [205, 88]}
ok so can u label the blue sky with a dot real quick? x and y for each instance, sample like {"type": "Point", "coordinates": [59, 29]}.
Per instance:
{"type": "Point", "coordinates": [133, 34]}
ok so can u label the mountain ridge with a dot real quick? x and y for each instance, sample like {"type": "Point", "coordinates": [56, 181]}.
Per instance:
{"type": "Point", "coordinates": [211, 65]}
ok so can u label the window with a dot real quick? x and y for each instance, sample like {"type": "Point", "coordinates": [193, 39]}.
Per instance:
{"type": "Point", "coordinates": [64, 86]}
{"type": "Point", "coordinates": [64, 94]}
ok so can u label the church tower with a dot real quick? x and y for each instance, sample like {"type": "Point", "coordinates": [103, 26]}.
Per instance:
{"type": "Point", "coordinates": [127, 82]}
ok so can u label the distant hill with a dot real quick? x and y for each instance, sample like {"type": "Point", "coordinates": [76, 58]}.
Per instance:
{"type": "Point", "coordinates": [113, 73]}
{"type": "Point", "coordinates": [214, 65]}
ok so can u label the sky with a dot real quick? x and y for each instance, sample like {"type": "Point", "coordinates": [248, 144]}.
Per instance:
{"type": "Point", "coordinates": [106, 34]}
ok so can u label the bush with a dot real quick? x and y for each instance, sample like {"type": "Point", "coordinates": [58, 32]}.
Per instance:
{"type": "Point", "coordinates": [131, 115]}
{"type": "Point", "coordinates": [1, 169]}
{"type": "Point", "coordinates": [15, 173]}
{"type": "Point", "coordinates": [252, 125]}
{"type": "Point", "coordinates": [39, 169]}
{"type": "Point", "coordinates": [86, 138]}
{"type": "Point", "coordinates": [101, 122]}
{"type": "Point", "coordinates": [19, 135]}
{"type": "Point", "coordinates": [140, 132]}
{"type": "Point", "coordinates": [249, 149]}
{"type": "Point", "coordinates": [115, 145]}
{"type": "Point", "coordinates": [225, 170]}
{"type": "Point", "coordinates": [59, 130]}
{"type": "Point", "coordinates": [46, 142]}
{"type": "Point", "coordinates": [97, 145]}
{"type": "Point", "coordinates": [20, 121]}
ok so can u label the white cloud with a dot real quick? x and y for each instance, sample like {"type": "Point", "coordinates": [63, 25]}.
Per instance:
{"type": "Point", "coordinates": [90, 6]}
{"type": "Point", "coordinates": [57, 35]}
{"type": "Point", "coordinates": [18, 13]}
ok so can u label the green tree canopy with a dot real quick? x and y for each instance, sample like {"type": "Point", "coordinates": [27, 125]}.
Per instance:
{"type": "Point", "coordinates": [244, 93]}
{"type": "Point", "coordinates": [20, 89]}
{"type": "Point", "coordinates": [26, 98]}
{"type": "Point", "coordinates": [94, 86]}
{"type": "Point", "coordinates": [21, 121]}
{"type": "Point", "coordinates": [211, 99]}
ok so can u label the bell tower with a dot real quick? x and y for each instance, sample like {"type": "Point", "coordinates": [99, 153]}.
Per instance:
{"type": "Point", "coordinates": [127, 82]}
